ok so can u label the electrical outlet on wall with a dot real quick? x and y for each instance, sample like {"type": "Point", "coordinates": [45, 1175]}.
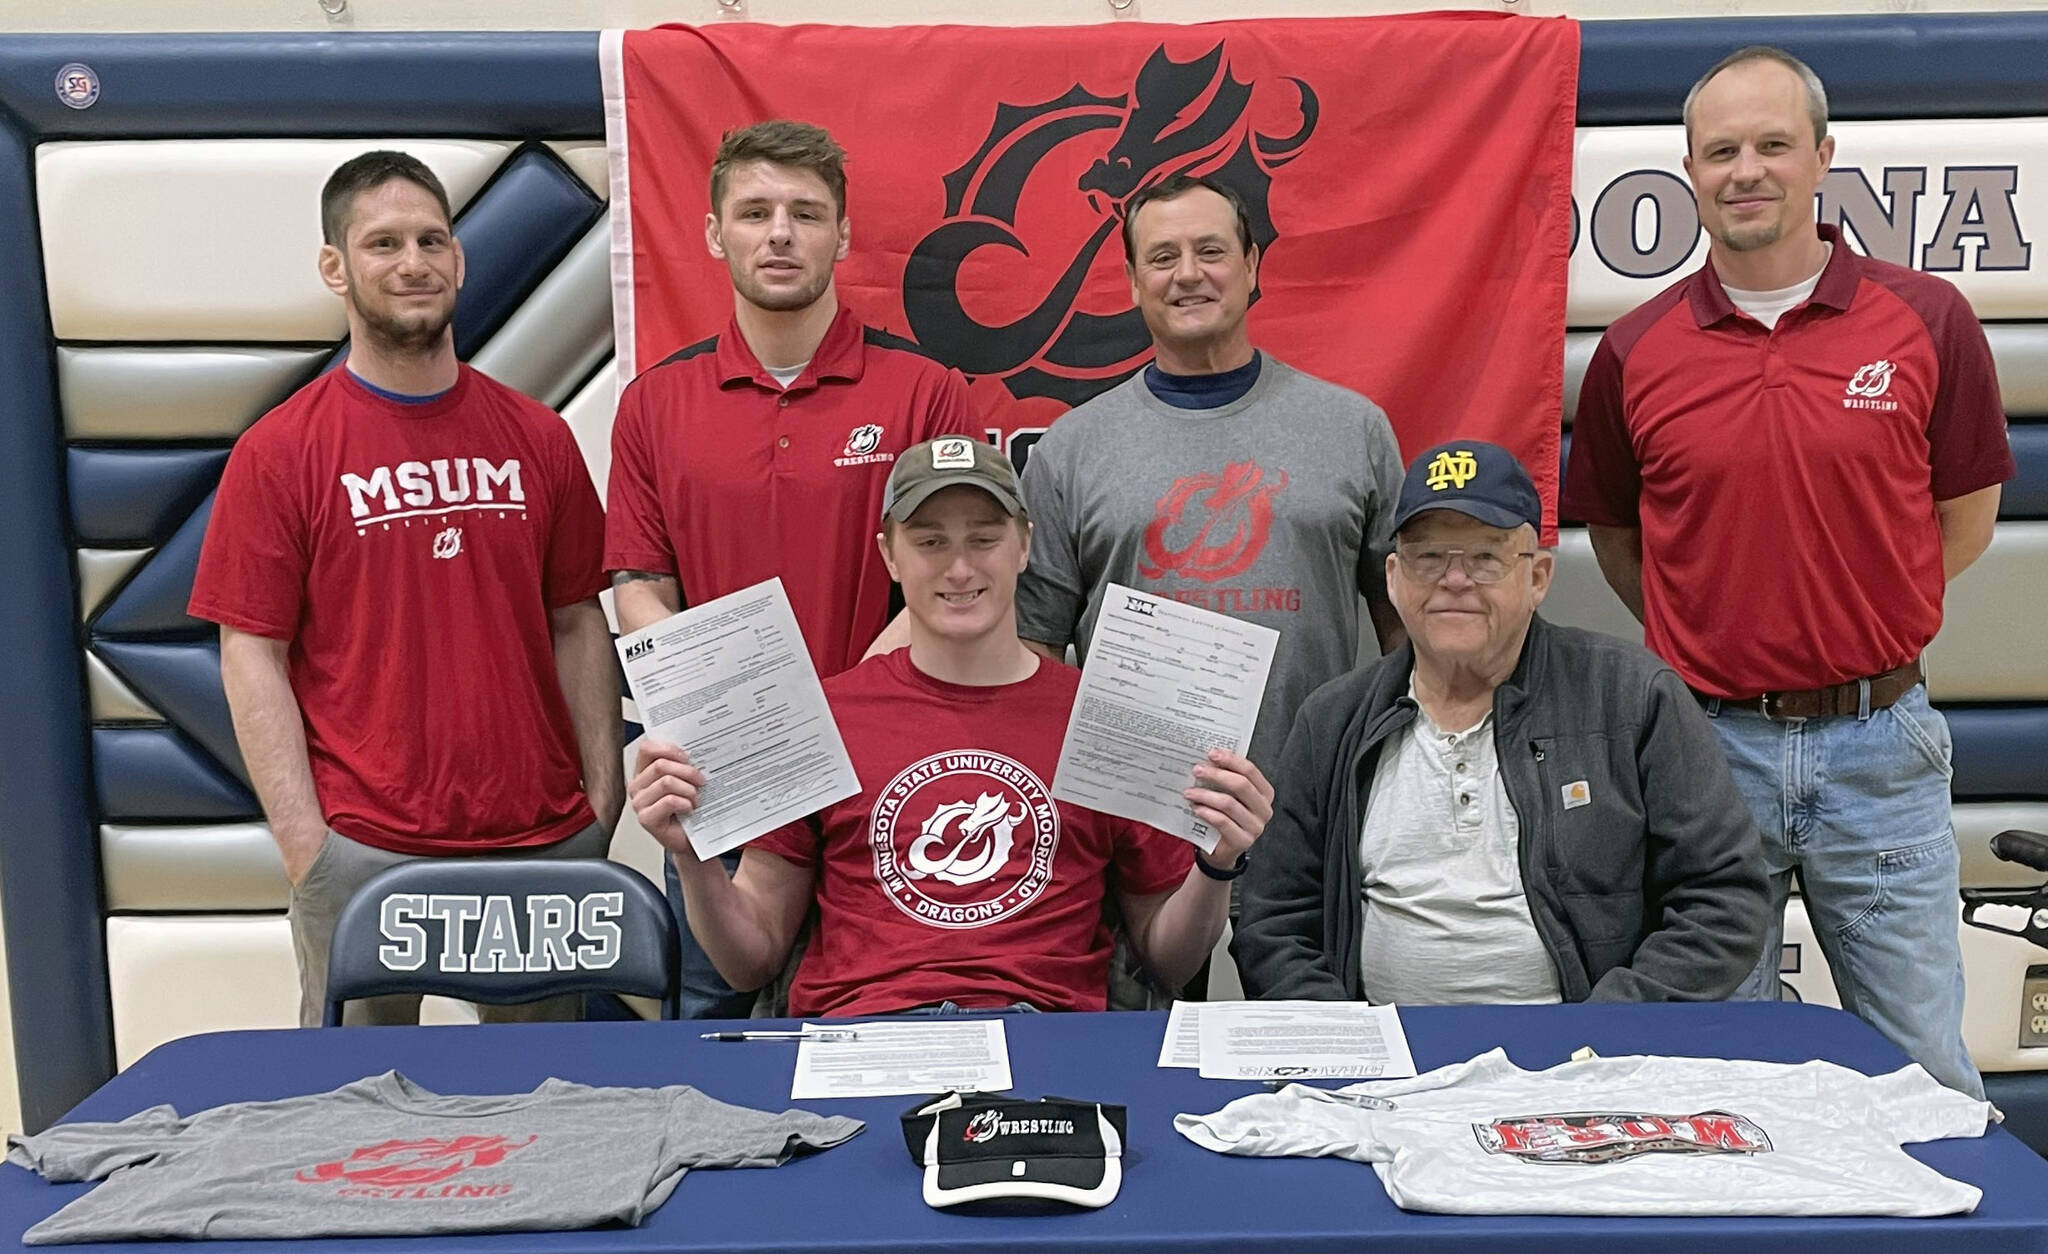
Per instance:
{"type": "Point", "coordinates": [2034, 1008]}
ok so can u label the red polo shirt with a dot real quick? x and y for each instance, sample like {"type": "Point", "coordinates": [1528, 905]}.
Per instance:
{"type": "Point", "coordinates": [1785, 480]}
{"type": "Point", "coordinates": [722, 478]}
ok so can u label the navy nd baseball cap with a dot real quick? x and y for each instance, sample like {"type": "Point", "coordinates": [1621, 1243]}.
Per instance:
{"type": "Point", "coordinates": [923, 469]}
{"type": "Point", "coordinates": [1474, 478]}
{"type": "Point", "coordinates": [977, 1148]}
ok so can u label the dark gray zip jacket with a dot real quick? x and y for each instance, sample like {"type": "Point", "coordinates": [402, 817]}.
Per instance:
{"type": "Point", "coordinates": [1652, 891]}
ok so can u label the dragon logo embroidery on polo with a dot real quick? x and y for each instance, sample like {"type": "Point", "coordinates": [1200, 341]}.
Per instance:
{"type": "Point", "coordinates": [861, 445]}
{"type": "Point", "coordinates": [862, 440]}
{"type": "Point", "coordinates": [1867, 387]}
{"type": "Point", "coordinates": [1872, 380]}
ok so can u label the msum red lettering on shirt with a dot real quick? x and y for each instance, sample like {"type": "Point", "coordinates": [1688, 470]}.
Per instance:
{"type": "Point", "coordinates": [411, 555]}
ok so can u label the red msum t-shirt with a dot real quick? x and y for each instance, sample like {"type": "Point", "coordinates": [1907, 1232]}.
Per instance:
{"type": "Point", "coordinates": [953, 875]}
{"type": "Point", "coordinates": [410, 554]}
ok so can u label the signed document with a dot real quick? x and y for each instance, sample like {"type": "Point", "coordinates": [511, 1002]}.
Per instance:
{"type": "Point", "coordinates": [1182, 1044]}
{"type": "Point", "coordinates": [932, 1056]}
{"type": "Point", "coordinates": [1302, 1040]}
{"type": "Point", "coordinates": [732, 683]}
{"type": "Point", "coordinates": [1164, 684]}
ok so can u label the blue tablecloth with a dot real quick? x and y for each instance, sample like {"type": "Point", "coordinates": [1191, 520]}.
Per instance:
{"type": "Point", "coordinates": [1176, 1198]}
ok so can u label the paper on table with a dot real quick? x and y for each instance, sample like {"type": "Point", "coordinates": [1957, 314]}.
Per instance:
{"type": "Point", "coordinates": [971, 1055]}
{"type": "Point", "coordinates": [1182, 1046]}
{"type": "Point", "coordinates": [1302, 1040]}
{"type": "Point", "coordinates": [732, 683]}
{"type": "Point", "coordinates": [1164, 684]}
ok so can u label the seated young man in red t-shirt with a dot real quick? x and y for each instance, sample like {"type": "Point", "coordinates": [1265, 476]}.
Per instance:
{"type": "Point", "coordinates": [953, 876]}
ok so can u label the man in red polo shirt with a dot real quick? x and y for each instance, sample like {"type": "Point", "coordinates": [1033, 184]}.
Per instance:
{"type": "Point", "coordinates": [1783, 458]}
{"type": "Point", "coordinates": [764, 451]}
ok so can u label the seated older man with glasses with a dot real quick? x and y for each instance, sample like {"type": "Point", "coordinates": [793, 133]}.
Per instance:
{"type": "Point", "coordinates": [1503, 810]}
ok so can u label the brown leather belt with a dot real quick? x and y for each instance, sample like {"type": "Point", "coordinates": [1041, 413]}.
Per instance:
{"type": "Point", "coordinates": [1829, 702]}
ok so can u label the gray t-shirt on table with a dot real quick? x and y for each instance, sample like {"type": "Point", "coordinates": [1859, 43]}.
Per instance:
{"type": "Point", "coordinates": [383, 1156]}
{"type": "Point", "coordinates": [1275, 508]}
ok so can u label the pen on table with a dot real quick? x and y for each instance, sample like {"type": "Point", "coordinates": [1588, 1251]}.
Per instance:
{"type": "Point", "coordinates": [816, 1034]}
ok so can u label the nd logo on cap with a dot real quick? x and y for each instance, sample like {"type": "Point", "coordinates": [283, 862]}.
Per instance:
{"type": "Point", "coordinates": [1452, 469]}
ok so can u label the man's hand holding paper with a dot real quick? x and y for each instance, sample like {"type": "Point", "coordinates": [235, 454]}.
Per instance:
{"type": "Point", "coordinates": [730, 682]}
{"type": "Point", "coordinates": [1167, 685]}
{"type": "Point", "coordinates": [1230, 794]}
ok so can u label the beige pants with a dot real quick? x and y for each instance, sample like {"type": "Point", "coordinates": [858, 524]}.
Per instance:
{"type": "Point", "coordinates": [338, 870]}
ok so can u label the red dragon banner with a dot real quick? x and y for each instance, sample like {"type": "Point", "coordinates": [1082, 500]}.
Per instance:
{"type": "Point", "coordinates": [1409, 181]}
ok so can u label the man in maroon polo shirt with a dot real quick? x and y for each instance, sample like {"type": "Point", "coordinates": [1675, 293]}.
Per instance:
{"type": "Point", "coordinates": [1783, 458]}
{"type": "Point", "coordinates": [764, 451]}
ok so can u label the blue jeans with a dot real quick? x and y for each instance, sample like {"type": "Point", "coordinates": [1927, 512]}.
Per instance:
{"type": "Point", "coordinates": [1859, 806]}
{"type": "Point", "coordinates": [704, 992]}
{"type": "Point", "coordinates": [947, 1009]}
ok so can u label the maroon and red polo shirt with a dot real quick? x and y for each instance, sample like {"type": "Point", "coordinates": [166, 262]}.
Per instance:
{"type": "Point", "coordinates": [723, 479]}
{"type": "Point", "coordinates": [1785, 479]}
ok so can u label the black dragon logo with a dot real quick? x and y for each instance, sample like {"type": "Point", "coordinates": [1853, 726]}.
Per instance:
{"type": "Point", "coordinates": [1180, 117]}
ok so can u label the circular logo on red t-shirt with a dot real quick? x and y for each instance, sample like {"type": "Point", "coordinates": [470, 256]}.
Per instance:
{"type": "Point", "coordinates": [964, 839]}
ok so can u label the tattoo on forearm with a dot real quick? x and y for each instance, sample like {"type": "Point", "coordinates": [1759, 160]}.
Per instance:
{"type": "Point", "coordinates": [639, 576]}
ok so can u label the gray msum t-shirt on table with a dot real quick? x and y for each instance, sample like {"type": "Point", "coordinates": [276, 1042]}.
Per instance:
{"type": "Point", "coordinates": [1275, 508]}
{"type": "Point", "coordinates": [383, 1156]}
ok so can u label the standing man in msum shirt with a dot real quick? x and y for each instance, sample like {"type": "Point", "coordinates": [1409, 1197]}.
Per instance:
{"type": "Point", "coordinates": [1783, 458]}
{"type": "Point", "coordinates": [404, 561]}
{"type": "Point", "coordinates": [1219, 475]}
{"type": "Point", "coordinates": [764, 450]}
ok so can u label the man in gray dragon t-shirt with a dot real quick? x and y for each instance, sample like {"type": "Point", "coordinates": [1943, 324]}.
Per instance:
{"type": "Point", "coordinates": [1218, 475]}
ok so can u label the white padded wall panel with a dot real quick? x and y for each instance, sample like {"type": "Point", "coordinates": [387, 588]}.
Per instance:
{"type": "Point", "coordinates": [1628, 183]}
{"type": "Point", "coordinates": [175, 393]}
{"type": "Point", "coordinates": [206, 239]}
{"type": "Point", "coordinates": [1578, 354]}
{"type": "Point", "coordinates": [100, 571]}
{"type": "Point", "coordinates": [563, 331]}
{"type": "Point", "coordinates": [589, 415]}
{"type": "Point", "coordinates": [2021, 351]}
{"type": "Point", "coordinates": [590, 162]}
{"type": "Point", "coordinates": [173, 977]}
{"type": "Point", "coordinates": [1993, 644]}
{"type": "Point", "coordinates": [217, 866]}
{"type": "Point", "coordinates": [1579, 595]}
{"type": "Point", "coordinates": [111, 700]}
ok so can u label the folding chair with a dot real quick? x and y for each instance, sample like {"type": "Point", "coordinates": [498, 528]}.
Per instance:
{"type": "Point", "coordinates": [504, 930]}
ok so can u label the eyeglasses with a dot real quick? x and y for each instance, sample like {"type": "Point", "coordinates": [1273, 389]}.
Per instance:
{"type": "Point", "coordinates": [1427, 565]}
